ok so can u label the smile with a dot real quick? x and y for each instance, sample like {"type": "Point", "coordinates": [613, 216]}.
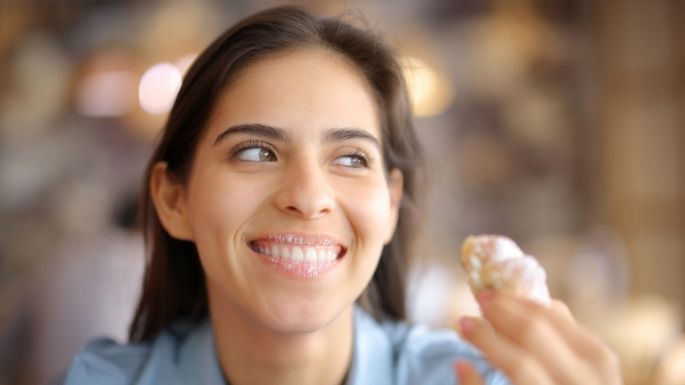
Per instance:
{"type": "Point", "coordinates": [300, 256]}
{"type": "Point", "coordinates": [289, 247]}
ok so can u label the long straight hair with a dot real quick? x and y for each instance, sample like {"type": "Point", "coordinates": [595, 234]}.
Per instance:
{"type": "Point", "coordinates": [174, 281]}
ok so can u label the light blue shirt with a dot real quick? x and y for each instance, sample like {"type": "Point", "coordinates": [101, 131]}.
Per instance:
{"type": "Point", "coordinates": [386, 353]}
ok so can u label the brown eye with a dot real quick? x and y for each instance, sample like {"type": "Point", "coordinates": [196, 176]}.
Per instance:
{"type": "Point", "coordinates": [256, 154]}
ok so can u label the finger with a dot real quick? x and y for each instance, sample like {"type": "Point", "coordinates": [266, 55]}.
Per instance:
{"type": "Point", "coordinates": [588, 346]}
{"type": "Point", "coordinates": [594, 352]}
{"type": "Point", "coordinates": [467, 374]}
{"type": "Point", "coordinates": [562, 311]}
{"type": "Point", "coordinates": [529, 327]}
{"type": "Point", "coordinates": [584, 342]}
{"type": "Point", "coordinates": [482, 323]}
{"type": "Point", "coordinates": [557, 314]}
{"type": "Point", "coordinates": [517, 364]}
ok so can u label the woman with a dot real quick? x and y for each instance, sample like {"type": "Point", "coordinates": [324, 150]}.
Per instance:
{"type": "Point", "coordinates": [277, 212]}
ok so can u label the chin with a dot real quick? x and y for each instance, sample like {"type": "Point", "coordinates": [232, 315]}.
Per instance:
{"type": "Point", "coordinates": [301, 317]}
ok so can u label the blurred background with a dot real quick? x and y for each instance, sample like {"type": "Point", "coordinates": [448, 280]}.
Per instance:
{"type": "Point", "coordinates": [560, 123]}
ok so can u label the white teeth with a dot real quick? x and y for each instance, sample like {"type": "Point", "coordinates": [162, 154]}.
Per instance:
{"type": "Point", "coordinates": [310, 255]}
{"type": "Point", "coordinates": [327, 256]}
{"type": "Point", "coordinates": [297, 254]}
{"type": "Point", "coordinates": [322, 256]}
{"type": "Point", "coordinates": [303, 253]}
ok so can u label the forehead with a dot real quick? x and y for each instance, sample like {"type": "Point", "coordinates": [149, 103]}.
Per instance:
{"type": "Point", "coordinates": [306, 89]}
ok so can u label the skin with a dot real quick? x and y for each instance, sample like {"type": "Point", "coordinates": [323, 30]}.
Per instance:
{"type": "Point", "coordinates": [247, 183]}
{"type": "Point", "coordinates": [535, 345]}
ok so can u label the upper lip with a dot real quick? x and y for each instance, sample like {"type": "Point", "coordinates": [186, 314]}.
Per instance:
{"type": "Point", "coordinates": [295, 238]}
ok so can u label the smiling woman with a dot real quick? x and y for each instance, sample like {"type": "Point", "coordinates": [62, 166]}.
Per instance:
{"type": "Point", "coordinates": [278, 209]}
{"type": "Point", "coordinates": [289, 106]}
{"type": "Point", "coordinates": [284, 178]}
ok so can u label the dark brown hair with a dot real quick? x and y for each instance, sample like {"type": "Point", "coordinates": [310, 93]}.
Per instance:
{"type": "Point", "coordinates": [174, 282]}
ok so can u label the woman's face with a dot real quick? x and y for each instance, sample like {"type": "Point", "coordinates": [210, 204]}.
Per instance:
{"type": "Point", "coordinates": [287, 201]}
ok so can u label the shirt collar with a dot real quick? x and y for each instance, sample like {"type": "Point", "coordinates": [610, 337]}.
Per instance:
{"type": "Point", "coordinates": [199, 357]}
{"type": "Point", "coordinates": [372, 361]}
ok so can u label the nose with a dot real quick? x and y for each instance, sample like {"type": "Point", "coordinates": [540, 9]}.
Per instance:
{"type": "Point", "coordinates": [305, 191]}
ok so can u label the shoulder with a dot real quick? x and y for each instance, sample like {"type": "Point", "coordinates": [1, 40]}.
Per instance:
{"type": "Point", "coordinates": [168, 358]}
{"type": "Point", "coordinates": [418, 354]}
{"type": "Point", "coordinates": [103, 361]}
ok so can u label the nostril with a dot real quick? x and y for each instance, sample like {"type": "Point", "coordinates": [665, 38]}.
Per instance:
{"type": "Point", "coordinates": [305, 192]}
{"type": "Point", "coordinates": [293, 209]}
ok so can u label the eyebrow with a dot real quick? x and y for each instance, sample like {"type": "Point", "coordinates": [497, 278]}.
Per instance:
{"type": "Point", "coordinates": [253, 129]}
{"type": "Point", "coordinates": [328, 136]}
{"type": "Point", "coordinates": [343, 134]}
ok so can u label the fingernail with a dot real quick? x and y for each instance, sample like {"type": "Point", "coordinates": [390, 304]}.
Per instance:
{"type": "Point", "coordinates": [463, 369]}
{"type": "Point", "coordinates": [467, 325]}
{"type": "Point", "coordinates": [485, 296]}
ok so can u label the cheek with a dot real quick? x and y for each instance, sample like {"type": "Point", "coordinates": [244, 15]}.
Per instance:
{"type": "Point", "coordinates": [368, 209]}
{"type": "Point", "coordinates": [218, 209]}
{"type": "Point", "coordinates": [221, 205]}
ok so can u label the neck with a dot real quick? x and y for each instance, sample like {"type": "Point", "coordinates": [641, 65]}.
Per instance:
{"type": "Point", "coordinates": [252, 353]}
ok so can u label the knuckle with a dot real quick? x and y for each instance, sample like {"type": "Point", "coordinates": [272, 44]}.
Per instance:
{"type": "Point", "coordinates": [607, 360]}
{"type": "Point", "coordinates": [561, 307]}
{"type": "Point", "coordinates": [529, 329]}
{"type": "Point", "coordinates": [611, 362]}
{"type": "Point", "coordinates": [524, 371]}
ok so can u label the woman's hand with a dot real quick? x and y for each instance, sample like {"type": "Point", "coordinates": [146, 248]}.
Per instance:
{"type": "Point", "coordinates": [535, 345]}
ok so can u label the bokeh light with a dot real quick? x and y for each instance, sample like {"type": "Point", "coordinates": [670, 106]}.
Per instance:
{"type": "Point", "coordinates": [672, 368]}
{"type": "Point", "coordinates": [158, 88]}
{"type": "Point", "coordinates": [184, 63]}
{"type": "Point", "coordinates": [430, 92]}
{"type": "Point", "coordinates": [105, 94]}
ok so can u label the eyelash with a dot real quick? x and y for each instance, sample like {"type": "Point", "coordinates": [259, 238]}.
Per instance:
{"type": "Point", "coordinates": [366, 160]}
{"type": "Point", "coordinates": [358, 153]}
{"type": "Point", "coordinates": [250, 144]}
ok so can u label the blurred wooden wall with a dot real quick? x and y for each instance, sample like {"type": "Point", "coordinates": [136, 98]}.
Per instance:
{"type": "Point", "coordinates": [641, 111]}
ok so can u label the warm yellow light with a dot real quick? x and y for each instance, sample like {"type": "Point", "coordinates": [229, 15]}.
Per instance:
{"type": "Point", "coordinates": [672, 368]}
{"type": "Point", "coordinates": [158, 88]}
{"type": "Point", "coordinates": [430, 92]}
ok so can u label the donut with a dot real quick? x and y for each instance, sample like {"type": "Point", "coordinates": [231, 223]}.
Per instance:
{"type": "Point", "coordinates": [497, 262]}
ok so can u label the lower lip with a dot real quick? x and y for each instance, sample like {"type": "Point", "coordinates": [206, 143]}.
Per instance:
{"type": "Point", "coordinates": [299, 269]}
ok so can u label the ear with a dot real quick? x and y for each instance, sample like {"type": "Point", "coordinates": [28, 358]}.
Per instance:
{"type": "Point", "coordinates": [396, 189]}
{"type": "Point", "coordinates": [168, 198]}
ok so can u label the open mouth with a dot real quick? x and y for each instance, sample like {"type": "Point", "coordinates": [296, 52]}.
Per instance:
{"type": "Point", "coordinates": [310, 249]}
